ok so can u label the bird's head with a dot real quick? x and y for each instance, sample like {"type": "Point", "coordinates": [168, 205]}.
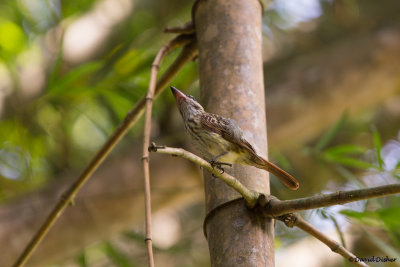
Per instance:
{"type": "Point", "coordinates": [188, 106]}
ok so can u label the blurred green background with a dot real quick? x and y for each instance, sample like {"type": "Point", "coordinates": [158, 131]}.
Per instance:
{"type": "Point", "coordinates": [70, 71]}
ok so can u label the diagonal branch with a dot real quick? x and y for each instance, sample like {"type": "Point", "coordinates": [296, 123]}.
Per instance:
{"type": "Point", "coordinates": [187, 54]}
{"type": "Point", "coordinates": [294, 219]}
{"type": "Point", "coordinates": [275, 207]}
{"type": "Point", "coordinates": [250, 196]}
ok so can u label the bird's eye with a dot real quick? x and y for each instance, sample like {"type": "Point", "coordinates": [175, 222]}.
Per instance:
{"type": "Point", "coordinates": [191, 97]}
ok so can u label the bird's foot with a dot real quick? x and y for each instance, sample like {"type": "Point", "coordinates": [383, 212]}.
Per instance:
{"type": "Point", "coordinates": [215, 163]}
{"type": "Point", "coordinates": [218, 165]}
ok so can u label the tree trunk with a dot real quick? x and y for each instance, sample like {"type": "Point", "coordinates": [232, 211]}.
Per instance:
{"type": "Point", "coordinates": [231, 81]}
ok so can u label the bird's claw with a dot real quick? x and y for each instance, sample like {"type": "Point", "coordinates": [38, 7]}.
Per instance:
{"type": "Point", "coordinates": [153, 147]}
{"type": "Point", "coordinates": [221, 169]}
{"type": "Point", "coordinates": [213, 163]}
{"type": "Point", "coordinates": [217, 165]}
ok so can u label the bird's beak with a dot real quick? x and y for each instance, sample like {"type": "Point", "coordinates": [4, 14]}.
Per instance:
{"type": "Point", "coordinates": [179, 96]}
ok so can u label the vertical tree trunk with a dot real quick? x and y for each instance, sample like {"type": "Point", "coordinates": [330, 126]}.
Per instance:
{"type": "Point", "coordinates": [231, 81]}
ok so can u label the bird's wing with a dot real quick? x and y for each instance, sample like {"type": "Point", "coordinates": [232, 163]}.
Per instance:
{"type": "Point", "coordinates": [227, 129]}
{"type": "Point", "coordinates": [230, 131]}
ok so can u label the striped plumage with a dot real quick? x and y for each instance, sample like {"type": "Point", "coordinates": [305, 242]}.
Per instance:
{"type": "Point", "coordinates": [221, 139]}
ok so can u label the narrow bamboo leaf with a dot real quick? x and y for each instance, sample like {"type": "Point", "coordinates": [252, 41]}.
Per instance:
{"type": "Point", "coordinates": [391, 217]}
{"type": "Point", "coordinates": [133, 236]}
{"type": "Point", "coordinates": [384, 246]}
{"type": "Point", "coordinates": [349, 176]}
{"type": "Point", "coordinates": [282, 160]}
{"type": "Point", "coordinates": [348, 161]}
{"type": "Point", "coordinates": [74, 92]}
{"type": "Point", "coordinates": [130, 62]}
{"type": "Point", "coordinates": [338, 230]}
{"type": "Point", "coordinates": [12, 37]}
{"type": "Point", "coordinates": [352, 213]}
{"type": "Point", "coordinates": [346, 150]}
{"type": "Point", "coordinates": [118, 103]}
{"type": "Point", "coordinates": [74, 8]}
{"type": "Point", "coordinates": [366, 217]}
{"type": "Point", "coordinates": [119, 258]}
{"type": "Point", "coordinates": [55, 68]}
{"type": "Point", "coordinates": [66, 83]}
{"type": "Point", "coordinates": [81, 260]}
{"type": "Point", "coordinates": [330, 134]}
{"type": "Point", "coordinates": [397, 165]}
{"type": "Point", "coordinates": [323, 213]}
{"type": "Point", "coordinates": [378, 146]}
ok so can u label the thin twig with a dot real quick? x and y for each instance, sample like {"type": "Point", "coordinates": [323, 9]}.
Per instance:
{"type": "Point", "coordinates": [146, 142]}
{"type": "Point", "coordinates": [294, 219]}
{"type": "Point", "coordinates": [276, 207]}
{"type": "Point", "coordinates": [188, 28]}
{"type": "Point", "coordinates": [187, 54]}
{"type": "Point", "coordinates": [250, 196]}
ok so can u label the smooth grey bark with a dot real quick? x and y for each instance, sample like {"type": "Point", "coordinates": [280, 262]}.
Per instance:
{"type": "Point", "coordinates": [232, 85]}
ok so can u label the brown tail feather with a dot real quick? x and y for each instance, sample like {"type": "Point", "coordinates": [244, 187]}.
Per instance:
{"type": "Point", "coordinates": [285, 177]}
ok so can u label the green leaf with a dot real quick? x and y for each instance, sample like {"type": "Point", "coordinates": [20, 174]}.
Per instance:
{"type": "Point", "coordinates": [366, 217]}
{"type": "Point", "coordinates": [396, 173]}
{"type": "Point", "coordinates": [338, 230]}
{"type": "Point", "coordinates": [323, 213]}
{"type": "Point", "coordinates": [352, 213]}
{"type": "Point", "coordinates": [391, 217]}
{"type": "Point", "coordinates": [74, 8]}
{"type": "Point", "coordinates": [131, 62]}
{"type": "Point", "coordinates": [68, 83]}
{"type": "Point", "coordinates": [12, 37]}
{"type": "Point", "coordinates": [133, 236]}
{"type": "Point", "coordinates": [378, 146]}
{"type": "Point", "coordinates": [385, 218]}
{"type": "Point", "coordinates": [348, 161]}
{"type": "Point", "coordinates": [81, 260]}
{"type": "Point", "coordinates": [56, 68]}
{"type": "Point", "coordinates": [118, 257]}
{"type": "Point", "coordinates": [349, 176]}
{"type": "Point", "coordinates": [283, 161]}
{"type": "Point", "coordinates": [346, 150]}
{"type": "Point", "coordinates": [328, 136]}
{"type": "Point", "coordinates": [118, 103]}
{"type": "Point", "coordinates": [382, 245]}
{"type": "Point", "coordinates": [397, 165]}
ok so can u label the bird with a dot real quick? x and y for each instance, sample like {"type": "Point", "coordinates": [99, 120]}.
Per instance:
{"type": "Point", "coordinates": [220, 140]}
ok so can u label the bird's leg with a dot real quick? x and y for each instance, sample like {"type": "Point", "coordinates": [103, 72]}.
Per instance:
{"type": "Point", "coordinates": [214, 161]}
{"type": "Point", "coordinates": [217, 164]}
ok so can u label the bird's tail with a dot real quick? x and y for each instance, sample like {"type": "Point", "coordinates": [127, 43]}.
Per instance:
{"type": "Point", "coordinates": [285, 177]}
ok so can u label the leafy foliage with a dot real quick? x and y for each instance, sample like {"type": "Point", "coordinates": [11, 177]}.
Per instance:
{"type": "Point", "coordinates": [381, 213]}
{"type": "Point", "coordinates": [77, 106]}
